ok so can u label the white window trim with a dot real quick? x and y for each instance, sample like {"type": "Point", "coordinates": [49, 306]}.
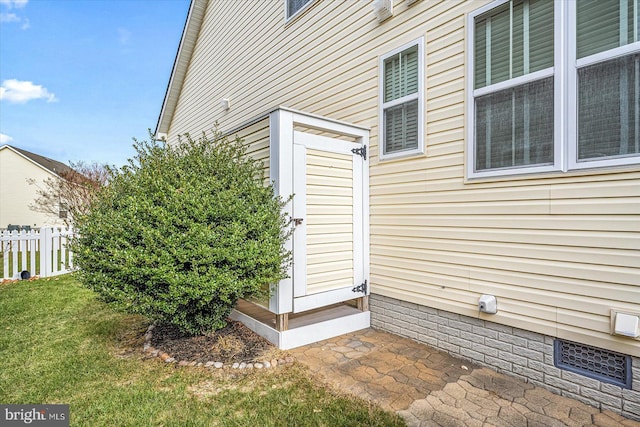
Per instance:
{"type": "Point", "coordinates": [572, 121]}
{"type": "Point", "coordinates": [383, 105]}
{"type": "Point", "coordinates": [565, 96]}
{"type": "Point", "coordinates": [288, 18]}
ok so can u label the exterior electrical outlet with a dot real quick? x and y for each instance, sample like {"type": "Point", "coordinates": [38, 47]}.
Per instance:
{"type": "Point", "coordinates": [488, 304]}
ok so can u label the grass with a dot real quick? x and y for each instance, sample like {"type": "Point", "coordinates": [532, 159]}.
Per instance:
{"type": "Point", "coordinates": [59, 345]}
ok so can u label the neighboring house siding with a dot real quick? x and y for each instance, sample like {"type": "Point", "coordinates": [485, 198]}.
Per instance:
{"type": "Point", "coordinates": [559, 251]}
{"type": "Point", "coordinates": [16, 194]}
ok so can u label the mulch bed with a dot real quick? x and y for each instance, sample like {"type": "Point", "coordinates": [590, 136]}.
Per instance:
{"type": "Point", "coordinates": [233, 343]}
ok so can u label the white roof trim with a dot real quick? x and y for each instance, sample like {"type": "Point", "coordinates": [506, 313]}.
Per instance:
{"type": "Point", "coordinates": [180, 65]}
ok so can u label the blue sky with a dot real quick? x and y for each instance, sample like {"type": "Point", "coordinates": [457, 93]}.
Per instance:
{"type": "Point", "coordinates": [80, 78]}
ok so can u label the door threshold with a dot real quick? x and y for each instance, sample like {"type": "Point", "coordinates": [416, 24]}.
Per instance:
{"type": "Point", "coordinates": [304, 328]}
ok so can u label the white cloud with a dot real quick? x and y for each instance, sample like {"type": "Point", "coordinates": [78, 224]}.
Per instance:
{"type": "Point", "coordinates": [5, 139]}
{"type": "Point", "coordinates": [19, 92]}
{"type": "Point", "coordinates": [18, 4]}
{"type": "Point", "coordinates": [9, 17]}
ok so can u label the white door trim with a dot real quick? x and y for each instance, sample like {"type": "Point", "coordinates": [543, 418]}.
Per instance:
{"type": "Point", "coordinates": [300, 232]}
{"type": "Point", "coordinates": [318, 142]}
{"type": "Point", "coordinates": [323, 299]}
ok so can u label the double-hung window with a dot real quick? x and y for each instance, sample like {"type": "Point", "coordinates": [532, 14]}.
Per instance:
{"type": "Point", "coordinates": [514, 86]}
{"type": "Point", "coordinates": [607, 83]}
{"type": "Point", "coordinates": [292, 7]}
{"type": "Point", "coordinates": [553, 86]}
{"type": "Point", "coordinates": [401, 106]}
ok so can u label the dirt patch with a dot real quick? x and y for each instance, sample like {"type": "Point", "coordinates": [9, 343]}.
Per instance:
{"type": "Point", "coordinates": [233, 343]}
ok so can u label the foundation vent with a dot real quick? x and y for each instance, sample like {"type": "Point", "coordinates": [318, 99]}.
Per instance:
{"type": "Point", "coordinates": [603, 365]}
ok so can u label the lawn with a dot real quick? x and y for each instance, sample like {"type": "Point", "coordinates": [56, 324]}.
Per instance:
{"type": "Point", "coordinates": [58, 344]}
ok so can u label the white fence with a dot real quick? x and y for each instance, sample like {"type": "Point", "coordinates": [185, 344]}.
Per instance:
{"type": "Point", "coordinates": [41, 252]}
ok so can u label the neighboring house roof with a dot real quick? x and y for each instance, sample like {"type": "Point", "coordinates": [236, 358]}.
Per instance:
{"type": "Point", "coordinates": [51, 165]}
{"type": "Point", "coordinates": [183, 58]}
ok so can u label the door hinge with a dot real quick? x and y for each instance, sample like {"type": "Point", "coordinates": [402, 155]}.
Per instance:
{"type": "Point", "coordinates": [361, 288]}
{"type": "Point", "coordinates": [360, 151]}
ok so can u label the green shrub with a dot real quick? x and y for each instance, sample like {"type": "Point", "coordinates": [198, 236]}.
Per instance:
{"type": "Point", "coordinates": [182, 232]}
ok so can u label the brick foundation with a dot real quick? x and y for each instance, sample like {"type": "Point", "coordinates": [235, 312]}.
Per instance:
{"type": "Point", "coordinates": [516, 352]}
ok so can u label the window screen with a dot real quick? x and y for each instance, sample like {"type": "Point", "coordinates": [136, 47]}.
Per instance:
{"type": "Point", "coordinates": [513, 126]}
{"type": "Point", "coordinates": [609, 108]}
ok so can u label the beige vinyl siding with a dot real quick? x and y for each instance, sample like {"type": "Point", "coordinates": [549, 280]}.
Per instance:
{"type": "Point", "coordinates": [558, 250]}
{"type": "Point", "coordinates": [256, 138]}
{"type": "Point", "coordinates": [329, 221]}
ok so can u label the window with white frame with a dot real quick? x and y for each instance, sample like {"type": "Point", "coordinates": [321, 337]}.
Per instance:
{"type": "Point", "coordinates": [294, 6]}
{"type": "Point", "coordinates": [401, 106]}
{"type": "Point", "coordinates": [548, 93]}
{"type": "Point", "coordinates": [607, 80]}
{"type": "Point", "coordinates": [63, 210]}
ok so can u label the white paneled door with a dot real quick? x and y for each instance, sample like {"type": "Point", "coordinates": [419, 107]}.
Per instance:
{"type": "Point", "coordinates": [329, 235]}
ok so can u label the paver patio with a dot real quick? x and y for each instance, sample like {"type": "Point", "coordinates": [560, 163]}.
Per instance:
{"type": "Point", "coordinates": [428, 387]}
